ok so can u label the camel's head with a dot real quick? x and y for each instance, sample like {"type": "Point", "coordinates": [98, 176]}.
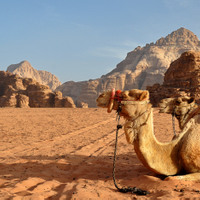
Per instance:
{"type": "Point", "coordinates": [112, 99]}
{"type": "Point", "coordinates": [134, 102]}
{"type": "Point", "coordinates": [178, 106]}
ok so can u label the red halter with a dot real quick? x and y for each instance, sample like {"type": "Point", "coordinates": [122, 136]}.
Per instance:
{"type": "Point", "coordinates": [116, 95]}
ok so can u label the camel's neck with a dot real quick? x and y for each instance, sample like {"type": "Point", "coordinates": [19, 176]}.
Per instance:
{"type": "Point", "coordinates": [184, 119]}
{"type": "Point", "coordinates": [156, 156]}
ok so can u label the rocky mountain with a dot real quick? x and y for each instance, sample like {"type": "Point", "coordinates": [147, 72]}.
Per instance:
{"type": "Point", "coordinates": [181, 79]}
{"type": "Point", "coordinates": [26, 92]}
{"type": "Point", "coordinates": [25, 70]}
{"type": "Point", "coordinates": [144, 66]}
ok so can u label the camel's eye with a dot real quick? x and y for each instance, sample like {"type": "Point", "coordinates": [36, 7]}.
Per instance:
{"type": "Point", "coordinates": [102, 95]}
{"type": "Point", "coordinates": [124, 95]}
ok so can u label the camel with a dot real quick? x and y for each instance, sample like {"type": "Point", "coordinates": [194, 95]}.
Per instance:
{"type": "Point", "coordinates": [183, 108]}
{"type": "Point", "coordinates": [181, 155]}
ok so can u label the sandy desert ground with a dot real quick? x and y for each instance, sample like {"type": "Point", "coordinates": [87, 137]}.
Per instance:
{"type": "Point", "coordinates": [68, 154]}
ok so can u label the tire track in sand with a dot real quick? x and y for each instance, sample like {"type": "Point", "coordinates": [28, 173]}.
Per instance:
{"type": "Point", "coordinates": [96, 147]}
{"type": "Point", "coordinates": [61, 140]}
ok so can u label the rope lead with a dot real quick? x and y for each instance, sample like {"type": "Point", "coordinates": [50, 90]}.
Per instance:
{"type": "Point", "coordinates": [133, 190]}
{"type": "Point", "coordinates": [173, 124]}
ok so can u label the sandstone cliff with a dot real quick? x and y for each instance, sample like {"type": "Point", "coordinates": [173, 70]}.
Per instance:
{"type": "Point", "coordinates": [26, 92]}
{"type": "Point", "coordinates": [25, 70]}
{"type": "Point", "coordinates": [144, 66]}
{"type": "Point", "coordinates": [181, 79]}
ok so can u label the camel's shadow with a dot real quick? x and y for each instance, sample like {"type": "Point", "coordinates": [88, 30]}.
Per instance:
{"type": "Point", "coordinates": [73, 166]}
{"type": "Point", "coordinates": [69, 168]}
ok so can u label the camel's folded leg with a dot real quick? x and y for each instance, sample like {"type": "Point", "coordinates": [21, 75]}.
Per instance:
{"type": "Point", "coordinates": [187, 177]}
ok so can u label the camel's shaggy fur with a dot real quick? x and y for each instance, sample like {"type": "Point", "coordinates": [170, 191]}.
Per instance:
{"type": "Point", "coordinates": [171, 158]}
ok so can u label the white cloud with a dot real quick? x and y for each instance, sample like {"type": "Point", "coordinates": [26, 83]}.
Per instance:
{"type": "Point", "coordinates": [131, 44]}
{"type": "Point", "coordinates": [119, 51]}
{"type": "Point", "coordinates": [174, 3]}
{"type": "Point", "coordinates": [79, 25]}
{"type": "Point", "coordinates": [114, 52]}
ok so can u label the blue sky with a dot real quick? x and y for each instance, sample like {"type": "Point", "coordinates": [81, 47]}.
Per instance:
{"type": "Point", "coordinates": [84, 39]}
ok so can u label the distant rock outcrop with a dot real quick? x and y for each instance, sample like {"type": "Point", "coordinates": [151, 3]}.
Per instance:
{"type": "Point", "coordinates": [26, 92]}
{"type": "Point", "coordinates": [181, 79]}
{"type": "Point", "coordinates": [144, 66]}
{"type": "Point", "coordinates": [25, 70]}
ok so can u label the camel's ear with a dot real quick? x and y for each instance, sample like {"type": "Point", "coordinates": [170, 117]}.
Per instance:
{"type": "Point", "coordinates": [110, 105]}
{"type": "Point", "coordinates": [144, 95]}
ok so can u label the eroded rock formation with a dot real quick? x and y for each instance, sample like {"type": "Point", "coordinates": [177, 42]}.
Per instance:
{"type": "Point", "coordinates": [144, 66]}
{"type": "Point", "coordinates": [26, 92]}
{"type": "Point", "coordinates": [25, 70]}
{"type": "Point", "coordinates": [181, 79]}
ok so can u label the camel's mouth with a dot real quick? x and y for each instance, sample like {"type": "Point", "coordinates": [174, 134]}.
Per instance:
{"type": "Point", "coordinates": [102, 105]}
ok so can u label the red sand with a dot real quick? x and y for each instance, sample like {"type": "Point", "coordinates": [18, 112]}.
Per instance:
{"type": "Point", "coordinates": [68, 154]}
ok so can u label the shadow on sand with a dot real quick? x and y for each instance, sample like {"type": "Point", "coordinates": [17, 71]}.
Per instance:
{"type": "Point", "coordinates": [71, 168]}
